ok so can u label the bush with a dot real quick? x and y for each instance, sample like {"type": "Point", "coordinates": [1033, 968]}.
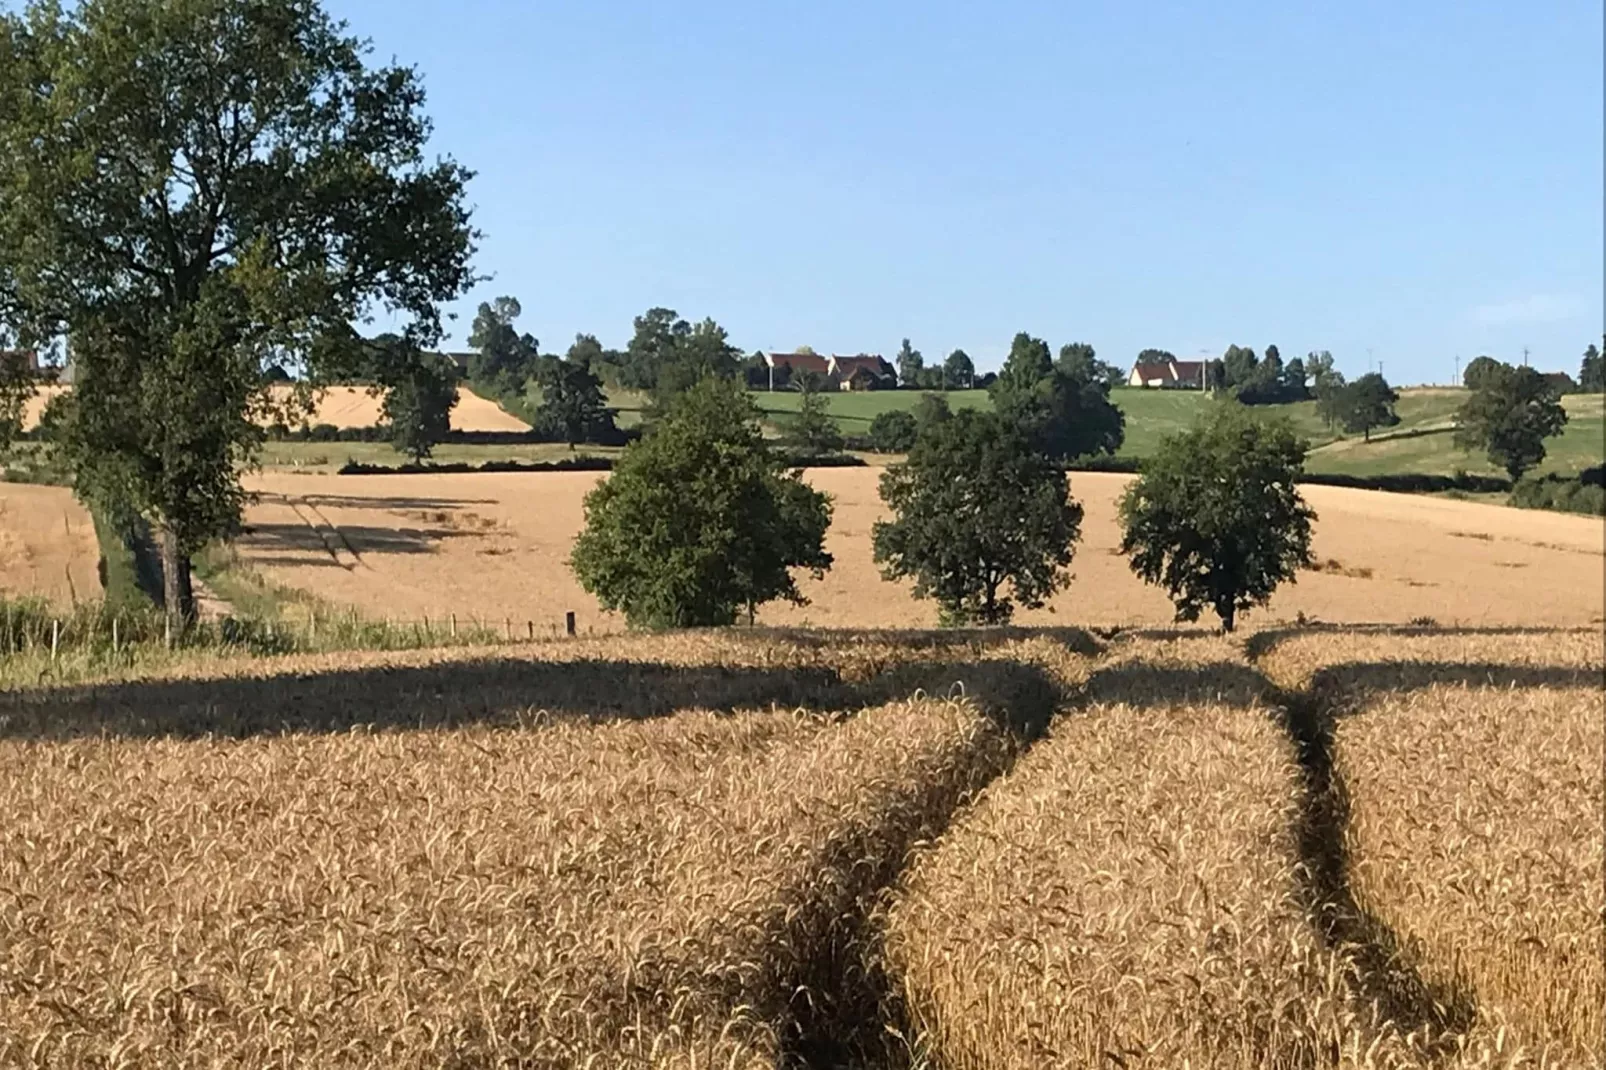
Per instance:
{"type": "Point", "coordinates": [893, 431]}
{"type": "Point", "coordinates": [1562, 494]}
{"type": "Point", "coordinates": [1411, 482]}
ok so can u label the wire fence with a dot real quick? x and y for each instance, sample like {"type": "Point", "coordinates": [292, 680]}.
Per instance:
{"type": "Point", "coordinates": [34, 629]}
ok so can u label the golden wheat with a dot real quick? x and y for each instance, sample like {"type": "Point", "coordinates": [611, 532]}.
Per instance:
{"type": "Point", "coordinates": [497, 544]}
{"type": "Point", "coordinates": [1129, 893]}
{"type": "Point", "coordinates": [47, 544]}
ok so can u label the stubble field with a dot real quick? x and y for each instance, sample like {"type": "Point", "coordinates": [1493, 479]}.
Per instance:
{"type": "Point", "coordinates": [47, 545]}
{"type": "Point", "coordinates": [497, 545]}
{"type": "Point", "coordinates": [783, 849]}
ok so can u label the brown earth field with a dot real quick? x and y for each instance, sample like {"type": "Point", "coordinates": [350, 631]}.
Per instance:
{"type": "Point", "coordinates": [1304, 847]}
{"type": "Point", "coordinates": [495, 545]}
{"type": "Point", "coordinates": [347, 406]}
{"type": "Point", "coordinates": [47, 544]}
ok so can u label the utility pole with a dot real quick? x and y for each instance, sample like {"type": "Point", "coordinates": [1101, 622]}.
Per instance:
{"type": "Point", "coordinates": [1524, 356]}
{"type": "Point", "coordinates": [1457, 379]}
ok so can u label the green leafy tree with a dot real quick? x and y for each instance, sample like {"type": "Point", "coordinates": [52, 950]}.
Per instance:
{"type": "Point", "coordinates": [701, 519]}
{"type": "Point", "coordinates": [586, 352]}
{"type": "Point", "coordinates": [420, 394]}
{"type": "Point", "coordinates": [657, 335]}
{"type": "Point", "coordinates": [1509, 415]}
{"type": "Point", "coordinates": [981, 520]}
{"type": "Point", "coordinates": [959, 370]}
{"type": "Point", "coordinates": [1366, 403]}
{"type": "Point", "coordinates": [1066, 416]}
{"type": "Point", "coordinates": [189, 188]}
{"type": "Point", "coordinates": [910, 364]}
{"type": "Point", "coordinates": [504, 360]}
{"type": "Point", "coordinates": [1591, 374]}
{"type": "Point", "coordinates": [1029, 363]}
{"type": "Point", "coordinates": [1327, 384]}
{"type": "Point", "coordinates": [16, 388]}
{"type": "Point", "coordinates": [572, 402]}
{"type": "Point", "coordinates": [1080, 360]}
{"type": "Point", "coordinates": [812, 432]}
{"type": "Point", "coordinates": [1216, 519]}
{"type": "Point", "coordinates": [1156, 356]}
{"type": "Point", "coordinates": [1238, 366]}
{"type": "Point", "coordinates": [894, 431]}
{"type": "Point", "coordinates": [705, 352]}
{"type": "Point", "coordinates": [1295, 381]}
{"type": "Point", "coordinates": [1478, 371]}
{"type": "Point", "coordinates": [931, 409]}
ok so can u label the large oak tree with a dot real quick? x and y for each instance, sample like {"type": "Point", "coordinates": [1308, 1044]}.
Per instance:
{"type": "Point", "coordinates": [191, 190]}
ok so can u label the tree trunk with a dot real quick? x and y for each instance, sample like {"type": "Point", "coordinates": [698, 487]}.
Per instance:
{"type": "Point", "coordinates": [1227, 616]}
{"type": "Point", "coordinates": [178, 595]}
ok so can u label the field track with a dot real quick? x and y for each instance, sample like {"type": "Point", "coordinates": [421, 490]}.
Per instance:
{"type": "Point", "coordinates": [496, 545]}
{"type": "Point", "coordinates": [780, 849]}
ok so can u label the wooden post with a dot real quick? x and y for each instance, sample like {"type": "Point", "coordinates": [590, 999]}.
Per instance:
{"type": "Point", "coordinates": [167, 631]}
{"type": "Point", "coordinates": [454, 625]}
{"type": "Point", "coordinates": [507, 627]}
{"type": "Point", "coordinates": [530, 624]}
{"type": "Point", "coordinates": [55, 636]}
{"type": "Point", "coordinates": [568, 622]}
{"type": "Point", "coordinates": [114, 631]}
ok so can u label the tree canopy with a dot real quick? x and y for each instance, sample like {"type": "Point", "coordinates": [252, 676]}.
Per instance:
{"type": "Point", "coordinates": [572, 402]}
{"type": "Point", "coordinates": [420, 393]}
{"type": "Point", "coordinates": [1215, 517]}
{"type": "Point", "coordinates": [981, 520]}
{"type": "Point", "coordinates": [190, 190]}
{"type": "Point", "coordinates": [1591, 375]}
{"type": "Point", "coordinates": [1064, 409]}
{"type": "Point", "coordinates": [812, 432]}
{"type": "Point", "coordinates": [959, 369]}
{"type": "Point", "coordinates": [1509, 415]}
{"type": "Point", "coordinates": [1366, 403]}
{"type": "Point", "coordinates": [700, 520]}
{"type": "Point", "coordinates": [504, 360]}
{"type": "Point", "coordinates": [1478, 370]}
{"type": "Point", "coordinates": [910, 364]}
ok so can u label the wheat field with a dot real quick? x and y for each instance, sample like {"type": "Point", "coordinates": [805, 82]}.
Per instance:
{"type": "Point", "coordinates": [496, 544]}
{"type": "Point", "coordinates": [47, 544]}
{"type": "Point", "coordinates": [342, 406]}
{"type": "Point", "coordinates": [762, 848]}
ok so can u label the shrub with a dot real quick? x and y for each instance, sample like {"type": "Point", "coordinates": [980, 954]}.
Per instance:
{"type": "Point", "coordinates": [1562, 494]}
{"type": "Point", "coordinates": [893, 431]}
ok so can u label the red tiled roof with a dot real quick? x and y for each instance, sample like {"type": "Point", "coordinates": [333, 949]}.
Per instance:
{"type": "Point", "coordinates": [846, 367]}
{"type": "Point", "coordinates": [799, 362]}
{"type": "Point", "coordinates": [1149, 371]}
{"type": "Point", "coordinates": [1189, 369]}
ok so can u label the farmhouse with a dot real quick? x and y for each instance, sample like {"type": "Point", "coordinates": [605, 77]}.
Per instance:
{"type": "Point", "coordinates": [861, 372]}
{"type": "Point", "coordinates": [1168, 374]}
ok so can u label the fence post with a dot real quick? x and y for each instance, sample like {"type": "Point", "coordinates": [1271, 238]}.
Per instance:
{"type": "Point", "coordinates": [55, 636]}
{"type": "Point", "coordinates": [114, 631]}
{"type": "Point", "coordinates": [167, 631]}
{"type": "Point", "coordinates": [568, 622]}
{"type": "Point", "coordinates": [454, 625]}
{"type": "Point", "coordinates": [507, 627]}
{"type": "Point", "coordinates": [530, 624]}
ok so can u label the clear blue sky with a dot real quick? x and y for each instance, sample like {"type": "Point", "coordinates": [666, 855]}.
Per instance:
{"type": "Point", "coordinates": [1421, 178]}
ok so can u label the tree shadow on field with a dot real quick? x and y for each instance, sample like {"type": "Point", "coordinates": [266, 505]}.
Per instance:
{"type": "Point", "coordinates": [313, 545]}
{"type": "Point", "coordinates": [1264, 642]}
{"type": "Point", "coordinates": [360, 501]}
{"type": "Point", "coordinates": [501, 690]}
{"type": "Point", "coordinates": [1076, 640]}
{"type": "Point", "coordinates": [1344, 688]}
{"type": "Point", "coordinates": [1146, 684]}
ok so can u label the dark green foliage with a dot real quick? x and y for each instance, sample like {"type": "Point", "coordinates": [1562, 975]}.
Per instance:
{"type": "Point", "coordinates": [420, 394]}
{"type": "Point", "coordinates": [1065, 416]}
{"type": "Point", "coordinates": [893, 431]}
{"type": "Point", "coordinates": [1215, 517]}
{"type": "Point", "coordinates": [931, 409]}
{"type": "Point", "coordinates": [1510, 414]}
{"type": "Point", "coordinates": [976, 508]}
{"type": "Point", "coordinates": [1081, 361]}
{"type": "Point", "coordinates": [1366, 403]}
{"type": "Point", "coordinates": [910, 364]}
{"type": "Point", "coordinates": [700, 520]}
{"type": "Point", "coordinates": [190, 189]}
{"type": "Point", "coordinates": [1591, 374]}
{"type": "Point", "coordinates": [812, 432]}
{"type": "Point", "coordinates": [504, 360]}
{"type": "Point", "coordinates": [1478, 371]}
{"type": "Point", "coordinates": [657, 333]}
{"type": "Point", "coordinates": [1027, 365]}
{"type": "Point", "coordinates": [667, 355]}
{"type": "Point", "coordinates": [1156, 356]}
{"type": "Point", "coordinates": [959, 371]}
{"type": "Point", "coordinates": [1238, 366]}
{"type": "Point", "coordinates": [1579, 494]}
{"type": "Point", "coordinates": [572, 402]}
{"type": "Point", "coordinates": [1327, 384]}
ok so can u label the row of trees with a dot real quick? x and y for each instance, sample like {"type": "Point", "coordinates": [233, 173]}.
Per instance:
{"type": "Point", "coordinates": [703, 521]}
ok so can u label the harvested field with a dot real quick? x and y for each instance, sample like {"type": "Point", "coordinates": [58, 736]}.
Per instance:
{"type": "Point", "coordinates": [496, 545]}
{"type": "Point", "coordinates": [47, 544]}
{"type": "Point", "coordinates": [347, 406]}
